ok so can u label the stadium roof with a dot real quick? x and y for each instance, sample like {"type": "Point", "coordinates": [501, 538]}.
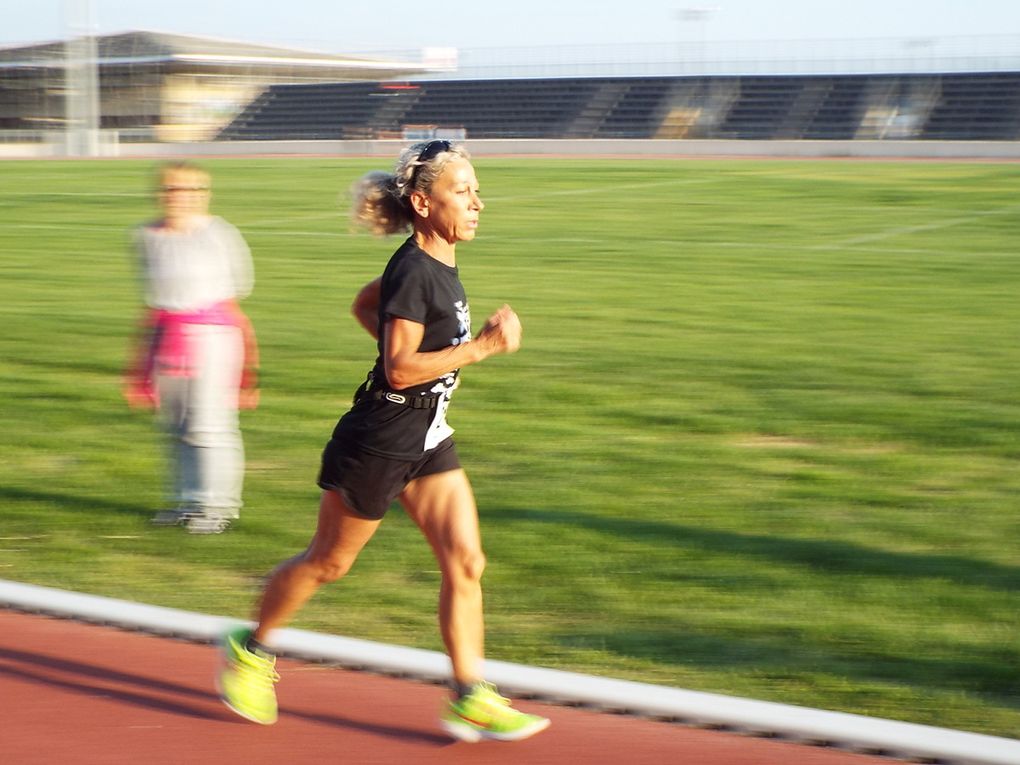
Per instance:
{"type": "Point", "coordinates": [182, 53]}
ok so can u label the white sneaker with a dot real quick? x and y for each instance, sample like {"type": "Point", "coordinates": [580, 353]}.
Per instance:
{"type": "Point", "coordinates": [207, 522]}
{"type": "Point", "coordinates": [176, 517]}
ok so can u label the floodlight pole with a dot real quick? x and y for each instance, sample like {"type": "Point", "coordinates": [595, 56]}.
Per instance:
{"type": "Point", "coordinates": [81, 81]}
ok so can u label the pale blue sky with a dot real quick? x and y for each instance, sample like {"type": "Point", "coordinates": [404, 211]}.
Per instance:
{"type": "Point", "coordinates": [340, 25]}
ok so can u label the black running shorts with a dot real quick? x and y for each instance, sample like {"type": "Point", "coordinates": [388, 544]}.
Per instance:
{"type": "Point", "coordinates": [369, 483]}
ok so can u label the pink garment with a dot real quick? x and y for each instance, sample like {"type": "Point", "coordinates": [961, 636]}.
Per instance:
{"type": "Point", "coordinates": [167, 348]}
{"type": "Point", "coordinates": [170, 350]}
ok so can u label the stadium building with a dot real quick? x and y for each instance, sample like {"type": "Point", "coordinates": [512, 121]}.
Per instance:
{"type": "Point", "coordinates": [150, 87]}
{"type": "Point", "coordinates": [159, 87]}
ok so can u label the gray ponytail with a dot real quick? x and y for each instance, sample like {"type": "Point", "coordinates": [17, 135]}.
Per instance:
{"type": "Point", "coordinates": [382, 201]}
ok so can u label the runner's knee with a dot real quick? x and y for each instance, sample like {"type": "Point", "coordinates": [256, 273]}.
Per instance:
{"type": "Point", "coordinates": [468, 565]}
{"type": "Point", "coordinates": [328, 570]}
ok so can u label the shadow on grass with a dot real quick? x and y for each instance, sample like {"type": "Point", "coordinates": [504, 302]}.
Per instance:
{"type": "Point", "coordinates": [71, 501]}
{"type": "Point", "coordinates": [980, 670]}
{"type": "Point", "coordinates": [991, 670]}
{"type": "Point", "coordinates": [822, 555]}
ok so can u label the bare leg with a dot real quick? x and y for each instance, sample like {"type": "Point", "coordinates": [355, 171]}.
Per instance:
{"type": "Point", "coordinates": [340, 536]}
{"type": "Point", "coordinates": [443, 507]}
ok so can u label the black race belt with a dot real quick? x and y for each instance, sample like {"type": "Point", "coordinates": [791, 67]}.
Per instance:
{"type": "Point", "coordinates": [391, 396]}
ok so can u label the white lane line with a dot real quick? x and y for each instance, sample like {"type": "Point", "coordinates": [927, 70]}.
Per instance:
{"type": "Point", "coordinates": [903, 230]}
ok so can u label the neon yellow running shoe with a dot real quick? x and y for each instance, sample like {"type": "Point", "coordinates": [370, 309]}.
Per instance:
{"type": "Point", "coordinates": [246, 679]}
{"type": "Point", "coordinates": [483, 713]}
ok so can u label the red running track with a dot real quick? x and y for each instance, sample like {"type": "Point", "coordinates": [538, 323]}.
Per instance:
{"type": "Point", "coordinates": [79, 693]}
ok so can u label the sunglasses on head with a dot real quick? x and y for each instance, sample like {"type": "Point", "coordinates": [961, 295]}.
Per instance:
{"type": "Point", "coordinates": [433, 149]}
{"type": "Point", "coordinates": [429, 151]}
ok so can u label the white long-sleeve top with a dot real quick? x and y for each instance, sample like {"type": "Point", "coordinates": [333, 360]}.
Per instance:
{"type": "Point", "coordinates": [192, 270]}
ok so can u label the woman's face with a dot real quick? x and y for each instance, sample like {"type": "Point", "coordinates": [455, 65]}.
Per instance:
{"type": "Point", "coordinates": [453, 202]}
{"type": "Point", "coordinates": [184, 193]}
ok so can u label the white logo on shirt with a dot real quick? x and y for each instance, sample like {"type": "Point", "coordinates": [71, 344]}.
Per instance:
{"type": "Point", "coordinates": [463, 323]}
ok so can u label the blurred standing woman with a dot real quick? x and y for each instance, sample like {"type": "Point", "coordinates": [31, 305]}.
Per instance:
{"type": "Point", "coordinates": [197, 359]}
{"type": "Point", "coordinates": [395, 443]}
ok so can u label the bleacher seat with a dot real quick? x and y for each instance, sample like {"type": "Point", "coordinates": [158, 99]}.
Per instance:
{"type": "Point", "coordinates": [976, 107]}
{"type": "Point", "coordinates": [956, 107]}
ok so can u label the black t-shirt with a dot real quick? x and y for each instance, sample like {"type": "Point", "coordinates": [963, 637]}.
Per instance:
{"type": "Point", "coordinates": [416, 287]}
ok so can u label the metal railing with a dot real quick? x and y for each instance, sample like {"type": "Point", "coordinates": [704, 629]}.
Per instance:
{"type": "Point", "coordinates": [894, 55]}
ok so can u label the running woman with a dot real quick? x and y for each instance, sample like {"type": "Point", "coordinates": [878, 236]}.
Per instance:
{"type": "Point", "coordinates": [395, 443]}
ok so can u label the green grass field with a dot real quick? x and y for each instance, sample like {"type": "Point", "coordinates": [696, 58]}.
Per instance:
{"type": "Point", "coordinates": [761, 439]}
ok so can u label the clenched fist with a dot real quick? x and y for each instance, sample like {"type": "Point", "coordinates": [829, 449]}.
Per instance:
{"type": "Point", "coordinates": [502, 331]}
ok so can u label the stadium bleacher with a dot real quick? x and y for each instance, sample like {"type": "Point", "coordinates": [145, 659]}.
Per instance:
{"type": "Point", "coordinates": [819, 107]}
{"type": "Point", "coordinates": [978, 107]}
{"type": "Point", "coordinates": [840, 110]}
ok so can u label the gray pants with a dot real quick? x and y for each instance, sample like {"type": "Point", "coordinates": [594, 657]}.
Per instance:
{"type": "Point", "coordinates": [200, 414]}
